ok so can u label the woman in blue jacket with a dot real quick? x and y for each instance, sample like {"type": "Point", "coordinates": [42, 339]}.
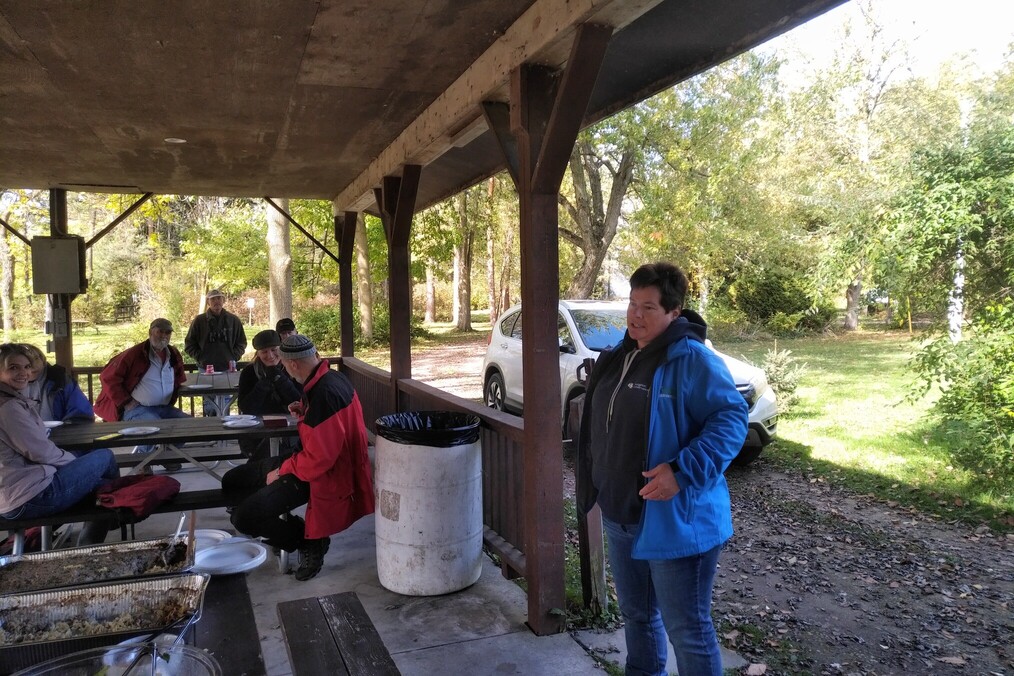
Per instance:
{"type": "Point", "coordinates": [662, 421]}
{"type": "Point", "coordinates": [55, 391]}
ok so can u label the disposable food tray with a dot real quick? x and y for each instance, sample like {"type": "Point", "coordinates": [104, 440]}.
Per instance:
{"type": "Point", "coordinates": [179, 598]}
{"type": "Point", "coordinates": [91, 570]}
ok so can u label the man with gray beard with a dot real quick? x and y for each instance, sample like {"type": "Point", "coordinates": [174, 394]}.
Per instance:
{"type": "Point", "coordinates": [143, 382]}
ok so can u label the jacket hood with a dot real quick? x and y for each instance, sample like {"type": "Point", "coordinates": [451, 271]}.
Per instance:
{"type": "Point", "coordinates": [688, 325]}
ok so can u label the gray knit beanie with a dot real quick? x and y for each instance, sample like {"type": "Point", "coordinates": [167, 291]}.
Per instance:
{"type": "Point", "coordinates": [298, 347]}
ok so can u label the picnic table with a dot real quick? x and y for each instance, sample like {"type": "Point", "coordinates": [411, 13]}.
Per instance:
{"type": "Point", "coordinates": [220, 389]}
{"type": "Point", "coordinates": [169, 437]}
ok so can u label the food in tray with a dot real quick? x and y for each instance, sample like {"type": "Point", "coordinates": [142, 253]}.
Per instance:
{"type": "Point", "coordinates": [154, 608]}
{"type": "Point", "coordinates": [91, 564]}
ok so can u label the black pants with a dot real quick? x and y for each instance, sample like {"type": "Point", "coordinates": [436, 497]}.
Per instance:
{"type": "Point", "coordinates": [261, 514]}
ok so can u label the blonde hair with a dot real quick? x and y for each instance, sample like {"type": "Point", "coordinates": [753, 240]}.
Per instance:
{"type": "Point", "coordinates": [35, 355]}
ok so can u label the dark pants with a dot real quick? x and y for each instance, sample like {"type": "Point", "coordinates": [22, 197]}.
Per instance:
{"type": "Point", "coordinates": [265, 512]}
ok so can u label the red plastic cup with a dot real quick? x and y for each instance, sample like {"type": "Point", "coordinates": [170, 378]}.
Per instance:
{"type": "Point", "coordinates": [209, 368]}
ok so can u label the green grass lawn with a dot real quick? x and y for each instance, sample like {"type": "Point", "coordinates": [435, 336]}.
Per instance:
{"type": "Point", "coordinates": [854, 425]}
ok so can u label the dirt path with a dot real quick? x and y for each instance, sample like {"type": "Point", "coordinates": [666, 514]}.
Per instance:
{"type": "Point", "coordinates": [819, 581]}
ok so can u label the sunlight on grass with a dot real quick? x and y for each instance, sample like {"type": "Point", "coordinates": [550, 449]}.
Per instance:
{"type": "Point", "coordinates": [853, 418]}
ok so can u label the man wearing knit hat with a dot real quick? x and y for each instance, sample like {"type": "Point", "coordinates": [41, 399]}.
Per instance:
{"type": "Point", "coordinates": [331, 474]}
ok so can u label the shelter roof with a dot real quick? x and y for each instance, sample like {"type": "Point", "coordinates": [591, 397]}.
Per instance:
{"type": "Point", "coordinates": [317, 98]}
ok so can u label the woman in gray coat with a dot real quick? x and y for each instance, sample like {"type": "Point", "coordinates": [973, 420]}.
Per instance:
{"type": "Point", "coordinates": [37, 478]}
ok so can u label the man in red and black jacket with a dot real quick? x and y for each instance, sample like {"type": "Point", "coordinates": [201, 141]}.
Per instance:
{"type": "Point", "coordinates": [330, 475]}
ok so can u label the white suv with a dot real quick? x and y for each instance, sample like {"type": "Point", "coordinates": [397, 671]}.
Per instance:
{"type": "Point", "coordinates": [586, 327]}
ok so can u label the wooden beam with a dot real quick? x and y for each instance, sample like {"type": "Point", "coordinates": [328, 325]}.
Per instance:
{"type": "Point", "coordinates": [119, 219]}
{"type": "Point", "coordinates": [290, 219]}
{"type": "Point", "coordinates": [14, 232]}
{"type": "Point", "coordinates": [396, 203]}
{"type": "Point", "coordinates": [498, 119]}
{"type": "Point", "coordinates": [62, 324]}
{"type": "Point", "coordinates": [575, 89]}
{"type": "Point", "coordinates": [540, 35]}
{"type": "Point", "coordinates": [345, 235]}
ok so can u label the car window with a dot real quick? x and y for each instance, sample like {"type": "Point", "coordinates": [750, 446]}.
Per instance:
{"type": "Point", "coordinates": [600, 329]}
{"type": "Point", "coordinates": [516, 330]}
{"type": "Point", "coordinates": [563, 331]}
{"type": "Point", "coordinates": [507, 323]}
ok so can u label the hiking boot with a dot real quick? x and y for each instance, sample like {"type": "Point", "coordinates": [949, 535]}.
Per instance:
{"type": "Point", "coordinates": [311, 558]}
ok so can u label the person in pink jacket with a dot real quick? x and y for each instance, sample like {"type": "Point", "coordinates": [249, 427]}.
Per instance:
{"type": "Point", "coordinates": [330, 475]}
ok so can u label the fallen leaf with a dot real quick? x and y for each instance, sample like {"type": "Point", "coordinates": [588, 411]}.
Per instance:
{"type": "Point", "coordinates": [958, 661]}
{"type": "Point", "coordinates": [757, 670]}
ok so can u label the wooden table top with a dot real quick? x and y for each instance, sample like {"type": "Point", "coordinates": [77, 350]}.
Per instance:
{"type": "Point", "coordinates": [199, 384]}
{"type": "Point", "coordinates": [85, 436]}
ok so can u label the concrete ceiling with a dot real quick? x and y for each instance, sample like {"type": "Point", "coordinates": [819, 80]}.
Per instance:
{"type": "Point", "coordinates": [316, 98]}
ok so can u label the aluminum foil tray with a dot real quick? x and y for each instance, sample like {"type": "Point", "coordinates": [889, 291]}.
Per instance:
{"type": "Point", "coordinates": [90, 571]}
{"type": "Point", "coordinates": [176, 599]}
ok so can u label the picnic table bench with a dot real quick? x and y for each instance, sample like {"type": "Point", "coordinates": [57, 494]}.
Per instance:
{"type": "Point", "coordinates": [88, 511]}
{"type": "Point", "coordinates": [333, 635]}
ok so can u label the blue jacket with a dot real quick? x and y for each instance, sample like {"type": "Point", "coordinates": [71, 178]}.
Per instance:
{"type": "Point", "coordinates": [65, 398]}
{"type": "Point", "coordinates": [697, 424]}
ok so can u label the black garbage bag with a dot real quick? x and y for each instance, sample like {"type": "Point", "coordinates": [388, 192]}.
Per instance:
{"type": "Point", "coordinates": [442, 429]}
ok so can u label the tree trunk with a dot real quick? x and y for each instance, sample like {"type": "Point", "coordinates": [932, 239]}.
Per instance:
{"type": "Point", "coordinates": [956, 298]}
{"type": "Point", "coordinates": [493, 297]}
{"type": "Point", "coordinates": [594, 217]}
{"type": "Point", "coordinates": [365, 289]}
{"type": "Point", "coordinates": [463, 268]}
{"type": "Point", "coordinates": [6, 283]}
{"type": "Point", "coordinates": [279, 263]}
{"type": "Point", "coordinates": [431, 297]}
{"type": "Point", "coordinates": [852, 295]}
{"type": "Point", "coordinates": [703, 290]}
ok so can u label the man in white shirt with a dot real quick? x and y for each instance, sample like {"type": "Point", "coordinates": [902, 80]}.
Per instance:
{"type": "Point", "coordinates": [143, 382]}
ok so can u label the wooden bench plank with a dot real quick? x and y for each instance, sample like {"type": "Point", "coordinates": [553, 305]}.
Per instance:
{"type": "Point", "coordinates": [360, 645]}
{"type": "Point", "coordinates": [227, 628]}
{"type": "Point", "coordinates": [308, 640]}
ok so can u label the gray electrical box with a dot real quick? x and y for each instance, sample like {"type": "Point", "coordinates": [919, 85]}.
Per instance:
{"type": "Point", "coordinates": [58, 265]}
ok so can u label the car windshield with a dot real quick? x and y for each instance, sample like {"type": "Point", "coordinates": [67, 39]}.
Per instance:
{"type": "Point", "coordinates": [600, 329]}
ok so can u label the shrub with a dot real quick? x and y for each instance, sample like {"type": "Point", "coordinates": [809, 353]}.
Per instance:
{"type": "Point", "coordinates": [784, 373]}
{"type": "Point", "coordinates": [726, 321]}
{"type": "Point", "coordinates": [323, 325]}
{"type": "Point", "coordinates": [763, 293]}
{"type": "Point", "coordinates": [782, 324]}
{"type": "Point", "coordinates": [976, 380]}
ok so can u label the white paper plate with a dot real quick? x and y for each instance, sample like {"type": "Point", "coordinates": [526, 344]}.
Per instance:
{"type": "Point", "coordinates": [52, 423]}
{"type": "Point", "coordinates": [209, 537]}
{"type": "Point", "coordinates": [200, 386]}
{"type": "Point", "coordinates": [136, 431]}
{"type": "Point", "coordinates": [231, 557]}
{"type": "Point", "coordinates": [238, 416]}
{"type": "Point", "coordinates": [241, 423]}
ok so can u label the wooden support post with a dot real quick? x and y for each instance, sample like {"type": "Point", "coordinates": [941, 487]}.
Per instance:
{"type": "Point", "coordinates": [345, 235]}
{"type": "Point", "coordinates": [545, 115]}
{"type": "Point", "coordinates": [396, 203]}
{"type": "Point", "coordinates": [63, 336]}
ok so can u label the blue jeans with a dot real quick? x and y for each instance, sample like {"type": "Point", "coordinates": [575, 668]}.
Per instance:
{"type": "Point", "coordinates": [70, 485]}
{"type": "Point", "coordinates": [152, 413]}
{"type": "Point", "coordinates": [659, 597]}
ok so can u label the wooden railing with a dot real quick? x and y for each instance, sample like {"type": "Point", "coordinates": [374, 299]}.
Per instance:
{"type": "Point", "coordinates": [503, 484]}
{"type": "Point", "coordinates": [502, 439]}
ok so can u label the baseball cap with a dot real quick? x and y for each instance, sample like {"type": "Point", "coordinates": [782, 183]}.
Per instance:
{"type": "Point", "coordinates": [161, 323]}
{"type": "Point", "coordinates": [215, 293]}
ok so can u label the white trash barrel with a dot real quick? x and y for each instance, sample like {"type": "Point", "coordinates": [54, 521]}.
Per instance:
{"type": "Point", "coordinates": [429, 502]}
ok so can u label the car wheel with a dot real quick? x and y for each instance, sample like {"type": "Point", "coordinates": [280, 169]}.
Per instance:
{"type": "Point", "coordinates": [494, 392]}
{"type": "Point", "coordinates": [747, 455]}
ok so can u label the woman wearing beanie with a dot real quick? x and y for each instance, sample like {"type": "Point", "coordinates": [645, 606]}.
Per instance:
{"type": "Point", "coordinates": [266, 388]}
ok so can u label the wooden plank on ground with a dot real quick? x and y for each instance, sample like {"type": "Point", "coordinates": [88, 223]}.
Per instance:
{"type": "Point", "coordinates": [227, 629]}
{"type": "Point", "coordinates": [311, 647]}
{"type": "Point", "coordinates": [357, 639]}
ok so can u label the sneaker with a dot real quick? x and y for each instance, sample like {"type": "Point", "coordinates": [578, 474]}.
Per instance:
{"type": "Point", "coordinates": [172, 466]}
{"type": "Point", "coordinates": [311, 558]}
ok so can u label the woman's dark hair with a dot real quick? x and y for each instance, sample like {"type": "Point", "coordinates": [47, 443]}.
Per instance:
{"type": "Point", "coordinates": [671, 282]}
{"type": "Point", "coordinates": [8, 350]}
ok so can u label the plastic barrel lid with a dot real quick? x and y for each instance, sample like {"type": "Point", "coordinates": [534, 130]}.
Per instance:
{"type": "Point", "coordinates": [429, 428]}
